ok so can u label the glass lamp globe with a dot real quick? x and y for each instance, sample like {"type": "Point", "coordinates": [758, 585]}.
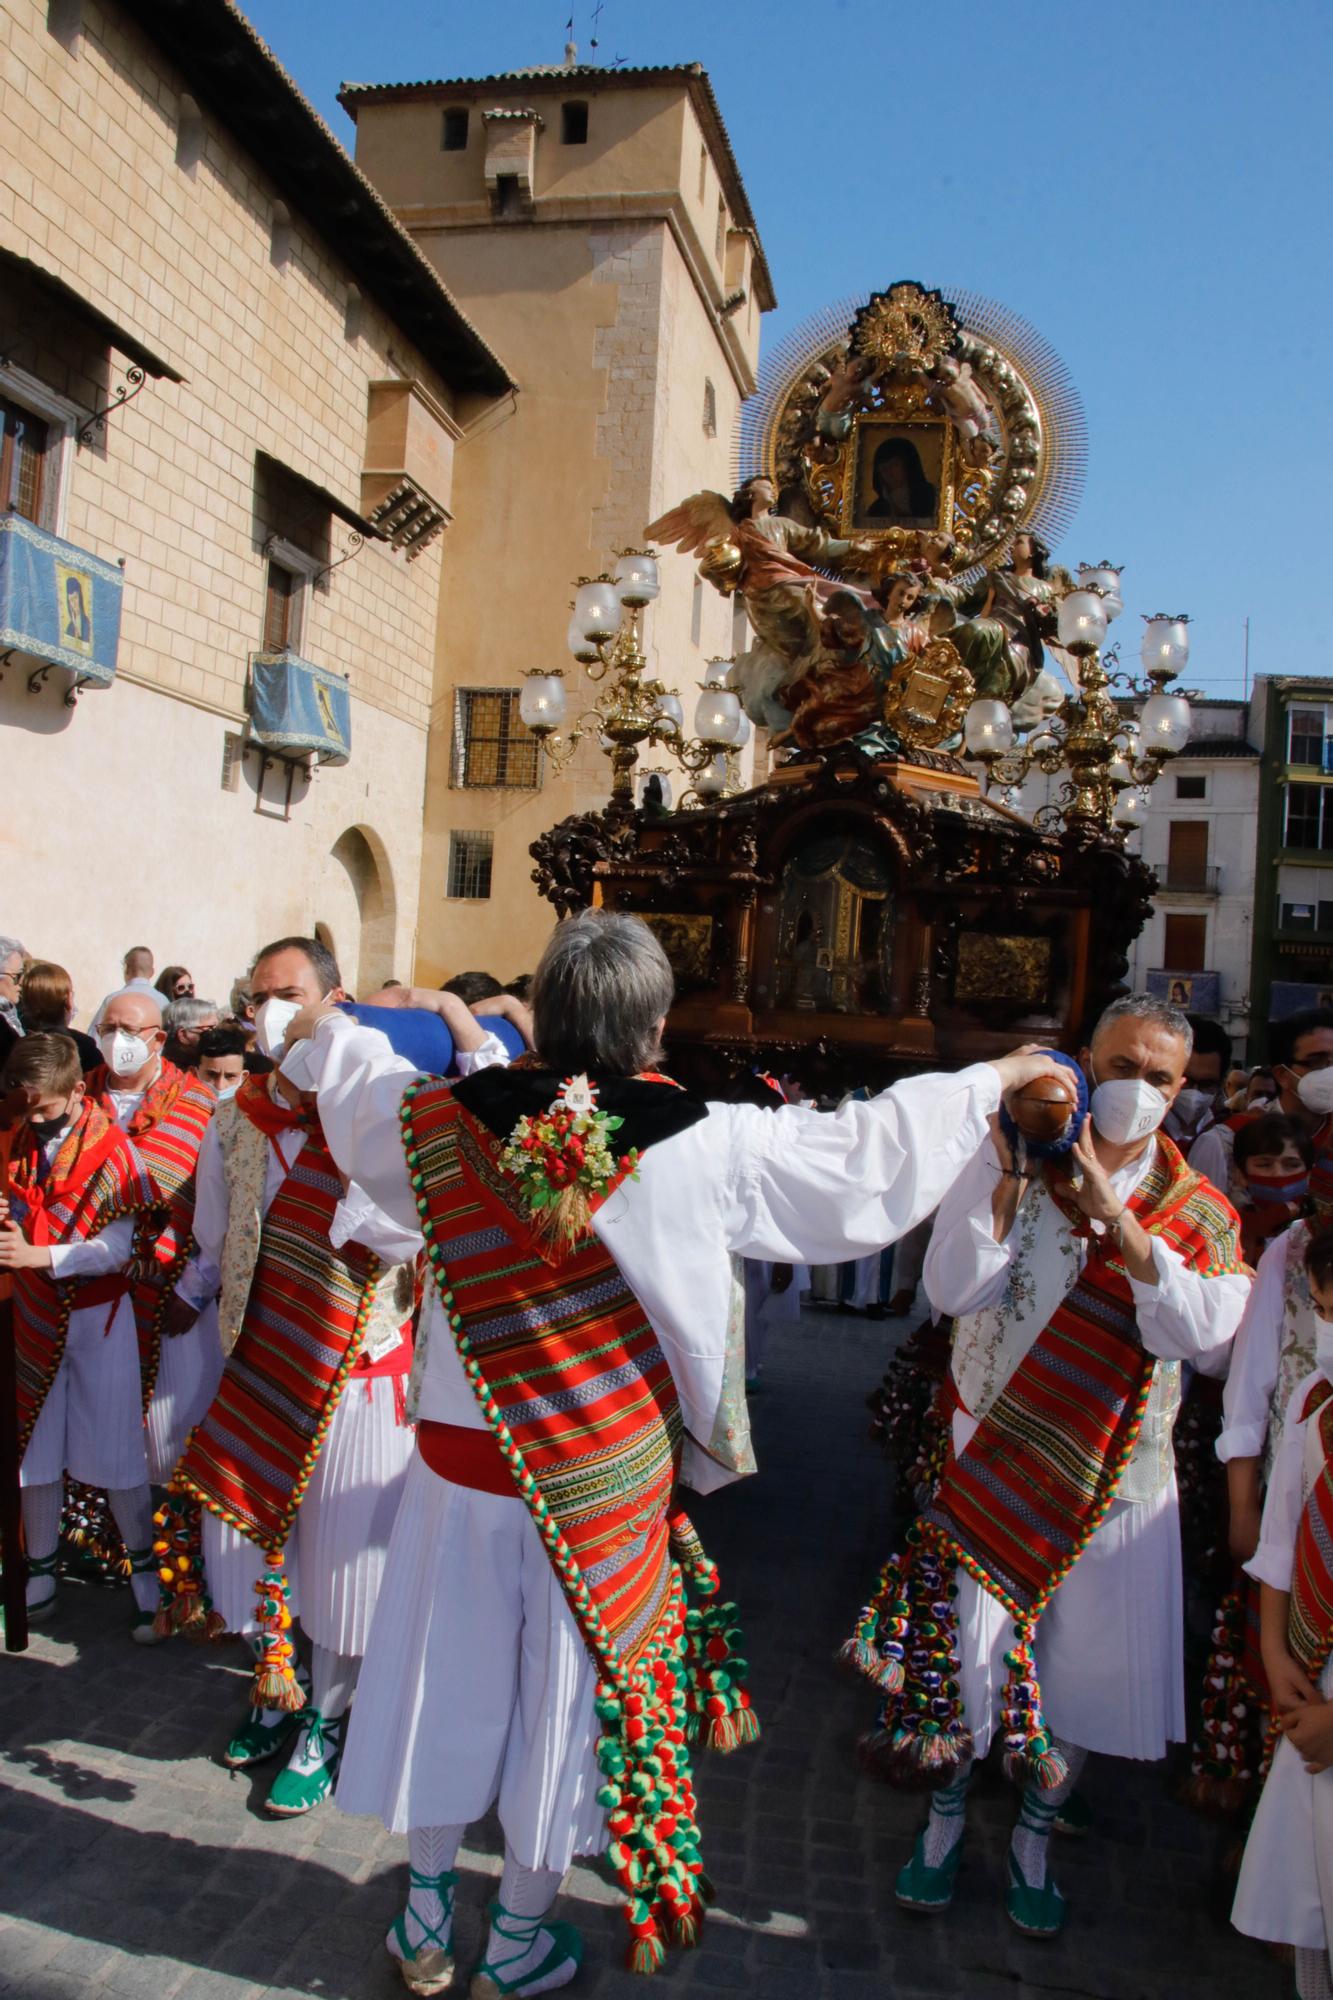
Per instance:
{"type": "Point", "coordinates": [716, 672]}
{"type": "Point", "coordinates": [1166, 645]}
{"type": "Point", "coordinates": [670, 709]}
{"type": "Point", "coordinates": [717, 717]}
{"type": "Point", "coordinates": [579, 646]}
{"type": "Point", "coordinates": [743, 735]}
{"type": "Point", "coordinates": [1081, 619]}
{"type": "Point", "coordinates": [711, 781]}
{"type": "Point", "coordinates": [597, 609]}
{"type": "Point", "coordinates": [1106, 578]}
{"type": "Point", "coordinates": [654, 788]}
{"type": "Point", "coordinates": [541, 701]}
{"type": "Point", "coordinates": [636, 580]}
{"type": "Point", "coordinates": [1164, 724]}
{"type": "Point", "coordinates": [988, 729]}
{"type": "Point", "coordinates": [1129, 809]}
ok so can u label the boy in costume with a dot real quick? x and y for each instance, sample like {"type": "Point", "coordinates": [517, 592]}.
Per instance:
{"type": "Point", "coordinates": [580, 1213]}
{"type": "Point", "coordinates": [1285, 1891]}
{"type": "Point", "coordinates": [1041, 1586]}
{"type": "Point", "coordinates": [74, 1190]}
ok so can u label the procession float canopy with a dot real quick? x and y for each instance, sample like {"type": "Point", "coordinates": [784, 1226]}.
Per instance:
{"type": "Point", "coordinates": [903, 473]}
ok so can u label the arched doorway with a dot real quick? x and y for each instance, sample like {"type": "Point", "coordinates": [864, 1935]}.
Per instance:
{"type": "Point", "coordinates": [361, 909]}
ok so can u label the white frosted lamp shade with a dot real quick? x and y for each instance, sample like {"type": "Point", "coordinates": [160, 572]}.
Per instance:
{"type": "Point", "coordinates": [655, 789]}
{"type": "Point", "coordinates": [1164, 724]}
{"type": "Point", "coordinates": [717, 717]}
{"type": "Point", "coordinates": [1166, 645]}
{"type": "Point", "coordinates": [579, 646]}
{"type": "Point", "coordinates": [988, 729]}
{"type": "Point", "coordinates": [637, 581]}
{"type": "Point", "coordinates": [597, 610]}
{"type": "Point", "coordinates": [671, 710]}
{"type": "Point", "coordinates": [1129, 808]}
{"type": "Point", "coordinates": [716, 673]}
{"type": "Point", "coordinates": [1082, 620]}
{"type": "Point", "coordinates": [711, 781]}
{"type": "Point", "coordinates": [743, 735]}
{"type": "Point", "coordinates": [541, 701]}
{"type": "Point", "coordinates": [1106, 578]}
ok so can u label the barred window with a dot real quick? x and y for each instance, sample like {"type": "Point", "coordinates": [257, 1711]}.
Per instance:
{"type": "Point", "coordinates": [470, 865]}
{"type": "Point", "coordinates": [491, 744]}
{"type": "Point", "coordinates": [23, 447]}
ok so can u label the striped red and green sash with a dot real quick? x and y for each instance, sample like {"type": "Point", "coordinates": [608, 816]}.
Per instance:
{"type": "Point", "coordinates": [250, 1459]}
{"type": "Point", "coordinates": [1019, 1505]}
{"type": "Point", "coordinates": [1321, 1172]}
{"type": "Point", "coordinates": [565, 1364]}
{"type": "Point", "coordinates": [167, 1128]}
{"type": "Point", "coordinates": [1310, 1619]}
{"type": "Point", "coordinates": [95, 1178]}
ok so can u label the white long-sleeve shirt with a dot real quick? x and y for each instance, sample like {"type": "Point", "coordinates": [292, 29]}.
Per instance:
{"type": "Point", "coordinates": [1295, 1468]}
{"type": "Point", "coordinates": [792, 1185]}
{"type": "Point", "coordinates": [1002, 1295]}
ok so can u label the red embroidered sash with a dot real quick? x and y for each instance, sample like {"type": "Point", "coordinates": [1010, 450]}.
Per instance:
{"type": "Point", "coordinates": [250, 1459]}
{"type": "Point", "coordinates": [96, 1177]}
{"type": "Point", "coordinates": [563, 1360]}
{"type": "Point", "coordinates": [167, 1128]}
{"type": "Point", "coordinates": [1310, 1620]}
{"type": "Point", "coordinates": [1321, 1172]}
{"type": "Point", "coordinates": [1019, 1505]}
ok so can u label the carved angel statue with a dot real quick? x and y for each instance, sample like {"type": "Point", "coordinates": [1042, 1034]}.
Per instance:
{"type": "Point", "coordinates": [1008, 620]}
{"type": "Point", "coordinates": [767, 557]}
{"type": "Point", "coordinates": [952, 388]}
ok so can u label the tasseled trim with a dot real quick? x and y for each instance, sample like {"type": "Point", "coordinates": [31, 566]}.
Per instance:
{"type": "Point", "coordinates": [276, 1685]}
{"type": "Point", "coordinates": [905, 1642]}
{"type": "Point", "coordinates": [1029, 1753]}
{"type": "Point", "coordinates": [400, 1400]}
{"type": "Point", "coordinates": [718, 1705]}
{"type": "Point", "coordinates": [1221, 1757]}
{"type": "Point", "coordinates": [178, 1557]}
{"type": "Point", "coordinates": [88, 1528]}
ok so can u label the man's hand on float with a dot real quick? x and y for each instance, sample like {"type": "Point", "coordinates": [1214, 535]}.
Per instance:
{"type": "Point", "coordinates": [508, 1007]}
{"type": "Point", "coordinates": [1024, 1066]}
{"type": "Point", "coordinates": [1093, 1193]}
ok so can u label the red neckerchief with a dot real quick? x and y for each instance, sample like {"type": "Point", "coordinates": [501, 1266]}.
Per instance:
{"type": "Point", "coordinates": [152, 1107]}
{"type": "Point", "coordinates": [81, 1152]}
{"type": "Point", "coordinates": [271, 1115]}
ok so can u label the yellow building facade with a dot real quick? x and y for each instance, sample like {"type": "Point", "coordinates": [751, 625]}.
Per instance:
{"type": "Point", "coordinates": [594, 227]}
{"type": "Point", "coordinates": [287, 385]}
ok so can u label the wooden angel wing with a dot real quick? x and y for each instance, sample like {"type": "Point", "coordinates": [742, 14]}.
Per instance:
{"type": "Point", "coordinates": [703, 518]}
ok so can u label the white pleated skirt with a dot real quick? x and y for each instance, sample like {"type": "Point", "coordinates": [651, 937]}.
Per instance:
{"type": "Point", "coordinates": [91, 1424]}
{"type": "Point", "coordinates": [336, 1552]}
{"type": "Point", "coordinates": [1285, 1891]}
{"type": "Point", "coordinates": [1109, 1645]}
{"type": "Point", "coordinates": [189, 1368]}
{"type": "Point", "coordinates": [476, 1686]}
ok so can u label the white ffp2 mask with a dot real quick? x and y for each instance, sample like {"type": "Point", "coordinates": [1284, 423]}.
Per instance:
{"type": "Point", "coordinates": [1127, 1109]}
{"type": "Point", "coordinates": [1315, 1091]}
{"type": "Point", "coordinates": [271, 1024]}
{"type": "Point", "coordinates": [124, 1054]}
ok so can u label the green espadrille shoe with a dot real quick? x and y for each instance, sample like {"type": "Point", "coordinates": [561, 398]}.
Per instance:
{"type": "Point", "coordinates": [557, 1968]}
{"type": "Point", "coordinates": [312, 1771]}
{"type": "Point", "coordinates": [1038, 1913]}
{"type": "Point", "coordinates": [430, 1968]}
{"type": "Point", "coordinates": [921, 1887]}
{"type": "Point", "coordinates": [257, 1739]}
{"type": "Point", "coordinates": [1074, 1818]}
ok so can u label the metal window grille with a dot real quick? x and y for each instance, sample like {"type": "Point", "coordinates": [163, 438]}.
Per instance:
{"type": "Point", "coordinates": [470, 865]}
{"type": "Point", "coordinates": [492, 747]}
{"type": "Point", "coordinates": [23, 442]}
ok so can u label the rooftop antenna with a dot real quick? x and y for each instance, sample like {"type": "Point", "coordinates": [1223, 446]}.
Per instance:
{"type": "Point", "coordinates": [1247, 659]}
{"type": "Point", "coordinates": [595, 44]}
{"type": "Point", "coordinates": [571, 46]}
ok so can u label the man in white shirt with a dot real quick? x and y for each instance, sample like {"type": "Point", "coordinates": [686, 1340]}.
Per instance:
{"type": "Point", "coordinates": [481, 1673]}
{"type": "Point", "coordinates": [1076, 1296]}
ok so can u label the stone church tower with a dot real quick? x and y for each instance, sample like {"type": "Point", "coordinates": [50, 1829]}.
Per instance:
{"type": "Point", "coordinates": [593, 225]}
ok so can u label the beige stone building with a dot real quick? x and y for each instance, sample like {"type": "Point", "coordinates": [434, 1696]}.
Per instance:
{"type": "Point", "coordinates": [594, 226]}
{"type": "Point", "coordinates": [233, 392]}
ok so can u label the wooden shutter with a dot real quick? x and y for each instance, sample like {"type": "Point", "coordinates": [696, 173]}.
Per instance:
{"type": "Point", "coordinates": [1187, 854]}
{"type": "Point", "coordinates": [1185, 945]}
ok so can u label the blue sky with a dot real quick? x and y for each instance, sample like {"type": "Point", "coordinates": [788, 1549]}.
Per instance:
{"type": "Point", "coordinates": [1147, 185]}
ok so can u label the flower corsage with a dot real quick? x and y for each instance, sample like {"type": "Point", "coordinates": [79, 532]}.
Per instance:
{"type": "Point", "coordinates": [565, 1163]}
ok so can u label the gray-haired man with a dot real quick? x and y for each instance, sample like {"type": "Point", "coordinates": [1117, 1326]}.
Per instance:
{"type": "Point", "coordinates": [12, 959]}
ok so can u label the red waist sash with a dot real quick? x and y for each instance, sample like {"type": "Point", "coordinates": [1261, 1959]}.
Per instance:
{"type": "Point", "coordinates": [398, 1360]}
{"type": "Point", "coordinates": [467, 1457]}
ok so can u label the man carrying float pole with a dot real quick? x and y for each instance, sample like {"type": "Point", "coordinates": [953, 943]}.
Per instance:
{"type": "Point", "coordinates": [1041, 1587]}
{"type": "Point", "coordinates": [580, 1212]}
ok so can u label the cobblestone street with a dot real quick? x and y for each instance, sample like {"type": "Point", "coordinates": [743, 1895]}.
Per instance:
{"type": "Point", "coordinates": [136, 1867]}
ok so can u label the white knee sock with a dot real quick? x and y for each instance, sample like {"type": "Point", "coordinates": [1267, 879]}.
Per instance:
{"type": "Point", "coordinates": [948, 1810]}
{"type": "Point", "coordinates": [132, 1507]}
{"type": "Point", "coordinates": [518, 1942]}
{"type": "Point", "coordinates": [332, 1679]}
{"type": "Point", "coordinates": [41, 1533]}
{"type": "Point", "coordinates": [1314, 1975]}
{"type": "Point", "coordinates": [431, 1851]}
{"type": "Point", "coordinates": [1036, 1816]}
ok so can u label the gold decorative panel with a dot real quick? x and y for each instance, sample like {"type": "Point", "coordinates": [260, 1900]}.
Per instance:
{"type": "Point", "coordinates": [1016, 969]}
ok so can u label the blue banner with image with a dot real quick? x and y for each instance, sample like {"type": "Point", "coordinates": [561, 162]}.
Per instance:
{"type": "Point", "coordinates": [297, 707]}
{"type": "Point", "coordinates": [58, 603]}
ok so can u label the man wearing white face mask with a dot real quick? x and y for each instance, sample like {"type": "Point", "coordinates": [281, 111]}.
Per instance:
{"type": "Point", "coordinates": [1076, 1296]}
{"type": "Point", "coordinates": [1301, 1048]}
{"type": "Point", "coordinates": [166, 1111]}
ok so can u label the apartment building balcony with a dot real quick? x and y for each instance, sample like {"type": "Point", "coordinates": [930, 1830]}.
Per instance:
{"type": "Point", "coordinates": [1188, 880]}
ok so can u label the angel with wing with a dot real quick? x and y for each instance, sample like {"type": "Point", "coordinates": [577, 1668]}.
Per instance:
{"type": "Point", "coordinates": [771, 568]}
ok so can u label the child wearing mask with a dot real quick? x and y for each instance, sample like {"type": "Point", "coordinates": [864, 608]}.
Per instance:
{"type": "Point", "coordinates": [1285, 1891]}
{"type": "Point", "coordinates": [72, 1190]}
{"type": "Point", "coordinates": [1270, 1179]}
{"type": "Point", "coordinates": [1275, 1341]}
{"type": "Point", "coordinates": [222, 1053]}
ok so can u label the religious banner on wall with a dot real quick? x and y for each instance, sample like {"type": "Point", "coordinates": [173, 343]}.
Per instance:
{"type": "Point", "coordinates": [59, 604]}
{"type": "Point", "coordinates": [297, 708]}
